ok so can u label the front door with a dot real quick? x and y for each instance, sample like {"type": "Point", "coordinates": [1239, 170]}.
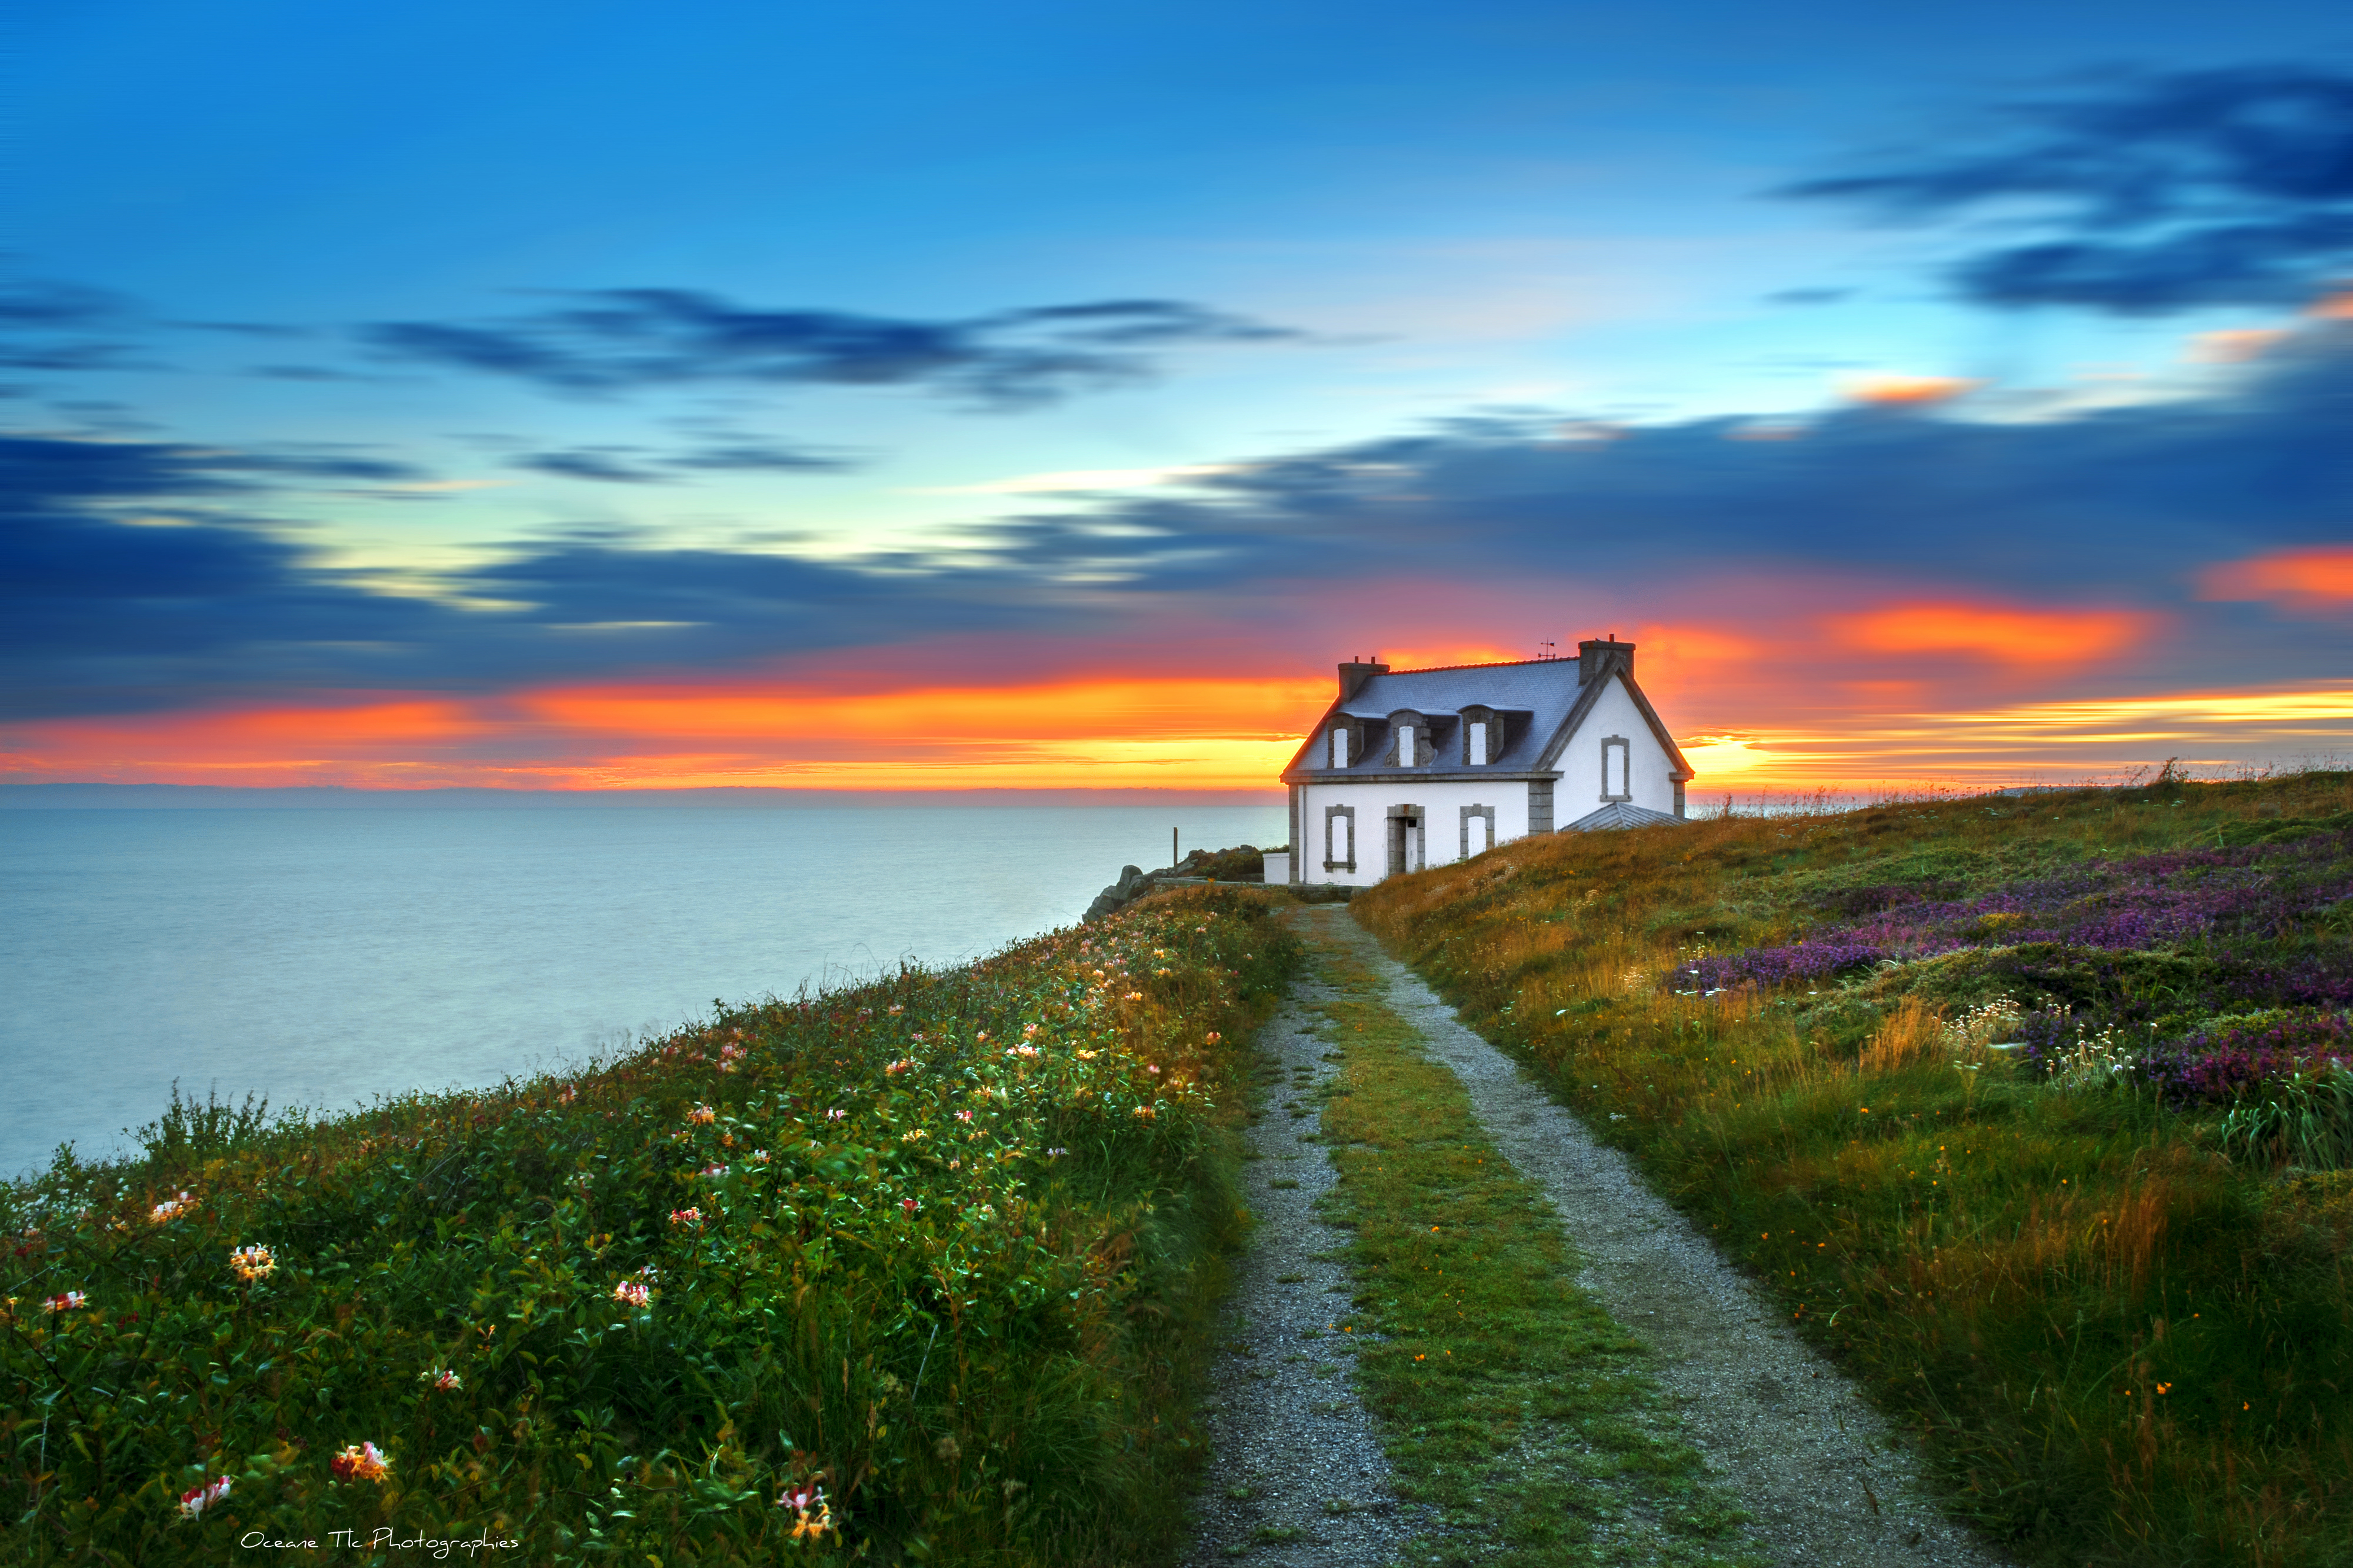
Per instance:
{"type": "Point", "coordinates": [1404, 845]}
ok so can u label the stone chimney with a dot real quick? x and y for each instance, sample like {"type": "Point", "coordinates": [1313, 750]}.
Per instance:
{"type": "Point", "coordinates": [1353, 676]}
{"type": "Point", "coordinates": [1599, 656]}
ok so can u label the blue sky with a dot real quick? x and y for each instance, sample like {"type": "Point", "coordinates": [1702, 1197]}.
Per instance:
{"type": "Point", "coordinates": [394, 300]}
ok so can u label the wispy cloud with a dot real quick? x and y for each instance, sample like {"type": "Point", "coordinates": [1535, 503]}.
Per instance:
{"type": "Point", "coordinates": [626, 339]}
{"type": "Point", "coordinates": [1064, 481]}
{"type": "Point", "coordinates": [2140, 193]}
{"type": "Point", "coordinates": [605, 467]}
{"type": "Point", "coordinates": [635, 465]}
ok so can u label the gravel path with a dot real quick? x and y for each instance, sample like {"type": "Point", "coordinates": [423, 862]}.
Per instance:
{"type": "Point", "coordinates": [1289, 1435]}
{"type": "Point", "coordinates": [1803, 1452]}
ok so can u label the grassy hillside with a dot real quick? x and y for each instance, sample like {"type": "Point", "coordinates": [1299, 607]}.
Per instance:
{"type": "Point", "coordinates": [913, 1271]}
{"type": "Point", "coordinates": [2027, 1107]}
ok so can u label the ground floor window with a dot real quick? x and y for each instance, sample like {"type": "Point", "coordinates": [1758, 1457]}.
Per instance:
{"type": "Point", "coordinates": [1339, 838]}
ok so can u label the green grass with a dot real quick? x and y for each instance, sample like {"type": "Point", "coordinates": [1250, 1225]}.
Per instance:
{"type": "Point", "coordinates": [1506, 1396]}
{"type": "Point", "coordinates": [943, 1244]}
{"type": "Point", "coordinates": [2124, 1336]}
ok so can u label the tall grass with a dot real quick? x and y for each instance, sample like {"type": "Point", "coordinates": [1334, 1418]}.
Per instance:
{"type": "Point", "coordinates": [914, 1271]}
{"type": "Point", "coordinates": [2121, 1326]}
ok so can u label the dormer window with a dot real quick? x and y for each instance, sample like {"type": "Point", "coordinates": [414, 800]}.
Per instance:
{"type": "Point", "coordinates": [1486, 737]}
{"type": "Point", "coordinates": [1410, 747]}
{"type": "Point", "coordinates": [1339, 746]}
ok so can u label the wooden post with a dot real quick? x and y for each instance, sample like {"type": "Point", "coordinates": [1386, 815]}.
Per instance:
{"type": "Point", "coordinates": [1172, 849]}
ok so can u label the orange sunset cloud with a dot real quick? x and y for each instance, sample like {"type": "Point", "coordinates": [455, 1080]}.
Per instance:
{"type": "Point", "coordinates": [2003, 635]}
{"type": "Point", "coordinates": [2315, 579]}
{"type": "Point", "coordinates": [1902, 390]}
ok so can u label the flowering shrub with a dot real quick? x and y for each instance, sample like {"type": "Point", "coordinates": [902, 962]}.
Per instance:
{"type": "Point", "coordinates": [196, 1500]}
{"type": "Point", "coordinates": [2115, 905]}
{"type": "Point", "coordinates": [2226, 1061]}
{"type": "Point", "coordinates": [522, 1294]}
{"type": "Point", "coordinates": [360, 1462]}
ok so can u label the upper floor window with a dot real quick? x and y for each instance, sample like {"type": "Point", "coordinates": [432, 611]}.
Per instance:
{"type": "Point", "coordinates": [1408, 745]}
{"type": "Point", "coordinates": [1339, 747]}
{"type": "Point", "coordinates": [1616, 768]}
{"type": "Point", "coordinates": [1478, 757]}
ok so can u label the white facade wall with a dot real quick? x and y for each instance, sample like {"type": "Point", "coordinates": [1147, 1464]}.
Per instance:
{"type": "Point", "coordinates": [1441, 803]}
{"type": "Point", "coordinates": [1579, 792]}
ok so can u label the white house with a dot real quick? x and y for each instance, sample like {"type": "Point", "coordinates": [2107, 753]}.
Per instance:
{"type": "Point", "coordinates": [1418, 767]}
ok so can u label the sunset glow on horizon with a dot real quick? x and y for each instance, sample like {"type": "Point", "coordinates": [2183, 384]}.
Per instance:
{"type": "Point", "coordinates": [1180, 734]}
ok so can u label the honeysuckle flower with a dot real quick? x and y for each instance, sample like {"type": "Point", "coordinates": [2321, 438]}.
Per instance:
{"type": "Point", "coordinates": [911, 1137]}
{"type": "Point", "coordinates": [797, 1498]}
{"type": "Point", "coordinates": [1135, 995]}
{"type": "Point", "coordinates": [981, 1036]}
{"type": "Point", "coordinates": [1028, 1051]}
{"type": "Point", "coordinates": [1056, 1153]}
{"type": "Point", "coordinates": [441, 1379]}
{"type": "Point", "coordinates": [910, 1205]}
{"type": "Point", "coordinates": [896, 1009]}
{"type": "Point", "coordinates": [252, 1264]}
{"type": "Point", "coordinates": [1214, 1037]}
{"type": "Point", "coordinates": [633, 1293]}
{"type": "Point", "coordinates": [170, 1208]}
{"type": "Point", "coordinates": [361, 1462]}
{"type": "Point", "coordinates": [686, 1216]}
{"type": "Point", "coordinates": [196, 1500]}
{"type": "Point", "coordinates": [905, 1064]}
{"type": "Point", "coordinates": [964, 1116]}
{"type": "Point", "coordinates": [1151, 1068]}
{"type": "Point", "coordinates": [702, 1116]}
{"type": "Point", "coordinates": [837, 1115]}
{"type": "Point", "coordinates": [712, 1171]}
{"type": "Point", "coordinates": [1028, 1031]}
{"type": "Point", "coordinates": [760, 1157]}
{"type": "Point", "coordinates": [1145, 1111]}
{"type": "Point", "coordinates": [71, 1301]}
{"type": "Point", "coordinates": [1087, 1056]}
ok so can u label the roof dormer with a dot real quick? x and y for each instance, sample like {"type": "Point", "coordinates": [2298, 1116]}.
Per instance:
{"type": "Point", "coordinates": [1344, 740]}
{"type": "Point", "coordinates": [1409, 740]}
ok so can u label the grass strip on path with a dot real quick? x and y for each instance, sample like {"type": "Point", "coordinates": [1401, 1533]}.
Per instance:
{"type": "Point", "coordinates": [1508, 1397]}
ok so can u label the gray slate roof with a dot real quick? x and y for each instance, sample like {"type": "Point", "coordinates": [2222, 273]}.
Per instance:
{"type": "Point", "coordinates": [1537, 699]}
{"type": "Point", "coordinates": [1544, 690]}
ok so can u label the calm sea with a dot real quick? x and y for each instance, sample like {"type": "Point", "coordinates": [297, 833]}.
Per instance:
{"type": "Point", "coordinates": [323, 957]}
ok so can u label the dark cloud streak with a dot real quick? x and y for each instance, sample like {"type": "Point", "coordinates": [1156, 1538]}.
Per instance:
{"type": "Point", "coordinates": [627, 339]}
{"type": "Point", "coordinates": [2155, 192]}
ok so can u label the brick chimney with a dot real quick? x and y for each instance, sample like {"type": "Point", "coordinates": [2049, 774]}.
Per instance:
{"type": "Point", "coordinates": [1353, 676]}
{"type": "Point", "coordinates": [1600, 656]}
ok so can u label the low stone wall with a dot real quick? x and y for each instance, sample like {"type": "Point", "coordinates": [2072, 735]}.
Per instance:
{"type": "Point", "coordinates": [1135, 882]}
